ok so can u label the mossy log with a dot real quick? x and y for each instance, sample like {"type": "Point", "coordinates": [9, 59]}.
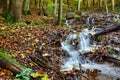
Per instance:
{"type": "Point", "coordinates": [7, 62]}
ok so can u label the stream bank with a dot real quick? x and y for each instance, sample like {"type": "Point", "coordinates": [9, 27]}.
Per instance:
{"type": "Point", "coordinates": [40, 47]}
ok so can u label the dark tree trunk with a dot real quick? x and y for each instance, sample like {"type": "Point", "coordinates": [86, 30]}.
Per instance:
{"type": "Point", "coordinates": [4, 5]}
{"type": "Point", "coordinates": [93, 2]}
{"type": "Point", "coordinates": [10, 6]}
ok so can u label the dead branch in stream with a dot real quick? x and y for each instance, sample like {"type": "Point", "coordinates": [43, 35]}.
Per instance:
{"type": "Point", "coordinates": [111, 59]}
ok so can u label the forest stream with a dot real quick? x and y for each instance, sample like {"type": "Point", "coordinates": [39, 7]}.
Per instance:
{"type": "Point", "coordinates": [76, 46]}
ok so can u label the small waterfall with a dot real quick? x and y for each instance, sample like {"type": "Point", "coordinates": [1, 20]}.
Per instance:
{"type": "Point", "coordinates": [83, 46]}
{"type": "Point", "coordinates": [75, 59]}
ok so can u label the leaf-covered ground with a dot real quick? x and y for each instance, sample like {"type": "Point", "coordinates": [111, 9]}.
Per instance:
{"type": "Point", "coordinates": [37, 45]}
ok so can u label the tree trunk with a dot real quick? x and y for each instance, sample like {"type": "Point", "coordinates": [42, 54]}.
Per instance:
{"type": "Point", "coordinates": [60, 13]}
{"type": "Point", "coordinates": [106, 6]}
{"type": "Point", "coordinates": [78, 4]}
{"type": "Point", "coordinates": [68, 5]}
{"type": "Point", "coordinates": [88, 4]}
{"type": "Point", "coordinates": [84, 3]}
{"type": "Point", "coordinates": [16, 9]}
{"type": "Point", "coordinates": [93, 2]}
{"type": "Point", "coordinates": [113, 3]}
{"type": "Point", "coordinates": [101, 3]}
{"type": "Point", "coordinates": [43, 6]}
{"type": "Point", "coordinates": [55, 7]}
{"type": "Point", "coordinates": [4, 5]}
{"type": "Point", "coordinates": [10, 6]}
{"type": "Point", "coordinates": [38, 5]}
{"type": "Point", "coordinates": [26, 5]}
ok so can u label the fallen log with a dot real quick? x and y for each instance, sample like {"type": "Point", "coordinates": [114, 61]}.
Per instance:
{"type": "Point", "coordinates": [111, 60]}
{"type": "Point", "coordinates": [106, 29]}
{"type": "Point", "coordinates": [7, 62]}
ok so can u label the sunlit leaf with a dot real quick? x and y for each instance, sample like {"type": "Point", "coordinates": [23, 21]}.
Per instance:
{"type": "Point", "coordinates": [31, 64]}
{"type": "Point", "coordinates": [36, 40]}
{"type": "Point", "coordinates": [35, 75]}
{"type": "Point", "coordinates": [45, 77]}
{"type": "Point", "coordinates": [40, 48]}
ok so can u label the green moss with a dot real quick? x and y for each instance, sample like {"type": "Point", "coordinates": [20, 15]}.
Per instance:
{"type": "Point", "coordinates": [7, 57]}
{"type": "Point", "coordinates": [21, 24]}
{"type": "Point", "coordinates": [112, 51]}
{"type": "Point", "coordinates": [4, 55]}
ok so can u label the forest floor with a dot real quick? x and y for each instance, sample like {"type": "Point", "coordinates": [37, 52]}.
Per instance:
{"type": "Point", "coordinates": [36, 44]}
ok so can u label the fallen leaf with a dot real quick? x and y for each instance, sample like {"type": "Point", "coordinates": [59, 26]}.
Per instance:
{"type": "Point", "coordinates": [35, 75]}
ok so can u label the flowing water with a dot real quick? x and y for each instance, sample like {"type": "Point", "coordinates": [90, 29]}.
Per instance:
{"type": "Point", "coordinates": [75, 58]}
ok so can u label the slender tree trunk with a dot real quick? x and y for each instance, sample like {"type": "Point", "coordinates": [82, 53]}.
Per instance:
{"type": "Point", "coordinates": [44, 8]}
{"type": "Point", "coordinates": [10, 6]}
{"type": "Point", "coordinates": [101, 3]}
{"type": "Point", "coordinates": [4, 5]}
{"type": "Point", "coordinates": [26, 5]}
{"type": "Point", "coordinates": [113, 3]}
{"type": "Point", "coordinates": [78, 4]}
{"type": "Point", "coordinates": [60, 13]}
{"type": "Point", "coordinates": [1, 3]}
{"type": "Point", "coordinates": [55, 7]}
{"type": "Point", "coordinates": [106, 6]}
{"type": "Point", "coordinates": [88, 4]}
{"type": "Point", "coordinates": [68, 5]}
{"type": "Point", "coordinates": [93, 2]}
{"type": "Point", "coordinates": [38, 5]}
{"type": "Point", "coordinates": [84, 2]}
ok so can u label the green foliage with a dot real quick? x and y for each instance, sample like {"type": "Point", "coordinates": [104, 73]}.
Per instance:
{"type": "Point", "coordinates": [100, 38]}
{"type": "Point", "coordinates": [36, 40]}
{"type": "Point", "coordinates": [39, 23]}
{"type": "Point", "coordinates": [112, 51]}
{"type": "Point", "coordinates": [4, 55]}
{"type": "Point", "coordinates": [8, 17]}
{"type": "Point", "coordinates": [117, 9]}
{"type": "Point", "coordinates": [21, 24]}
{"type": "Point", "coordinates": [77, 36]}
{"type": "Point", "coordinates": [77, 17]}
{"type": "Point", "coordinates": [25, 12]}
{"type": "Point", "coordinates": [118, 21]}
{"type": "Point", "coordinates": [44, 77]}
{"type": "Point", "coordinates": [9, 58]}
{"type": "Point", "coordinates": [50, 6]}
{"type": "Point", "coordinates": [24, 75]}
